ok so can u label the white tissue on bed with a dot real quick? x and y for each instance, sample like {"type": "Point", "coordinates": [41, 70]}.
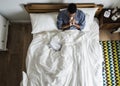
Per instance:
{"type": "Point", "coordinates": [65, 37]}
{"type": "Point", "coordinates": [55, 43]}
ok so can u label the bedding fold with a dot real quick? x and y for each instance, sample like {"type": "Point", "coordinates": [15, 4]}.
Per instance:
{"type": "Point", "coordinates": [69, 58]}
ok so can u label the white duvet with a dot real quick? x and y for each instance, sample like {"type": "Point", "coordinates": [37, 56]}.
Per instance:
{"type": "Point", "coordinates": [69, 58]}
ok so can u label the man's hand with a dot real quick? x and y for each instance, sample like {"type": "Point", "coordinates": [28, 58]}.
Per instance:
{"type": "Point", "coordinates": [70, 23]}
{"type": "Point", "coordinates": [73, 22]}
{"type": "Point", "coordinates": [65, 27]}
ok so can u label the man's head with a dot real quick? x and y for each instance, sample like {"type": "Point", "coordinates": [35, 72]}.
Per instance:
{"type": "Point", "coordinates": [72, 9]}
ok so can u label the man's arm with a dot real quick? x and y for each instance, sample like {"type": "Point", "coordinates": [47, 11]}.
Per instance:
{"type": "Point", "coordinates": [77, 26]}
{"type": "Point", "coordinates": [59, 21]}
{"type": "Point", "coordinates": [64, 27]}
{"type": "Point", "coordinates": [81, 23]}
{"type": "Point", "coordinates": [60, 24]}
{"type": "Point", "coordinates": [71, 23]}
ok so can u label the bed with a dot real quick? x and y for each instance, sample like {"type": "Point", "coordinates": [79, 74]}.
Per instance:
{"type": "Point", "coordinates": [63, 58]}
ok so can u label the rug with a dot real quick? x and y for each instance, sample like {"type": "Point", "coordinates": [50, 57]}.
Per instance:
{"type": "Point", "coordinates": [111, 65]}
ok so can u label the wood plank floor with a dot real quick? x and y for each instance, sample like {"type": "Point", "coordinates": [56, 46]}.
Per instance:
{"type": "Point", "coordinates": [106, 34]}
{"type": "Point", "coordinates": [12, 62]}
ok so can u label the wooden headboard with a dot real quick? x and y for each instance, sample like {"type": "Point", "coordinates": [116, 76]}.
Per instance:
{"type": "Point", "coordinates": [54, 7]}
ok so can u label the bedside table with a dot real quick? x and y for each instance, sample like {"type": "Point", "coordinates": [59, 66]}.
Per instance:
{"type": "Point", "coordinates": [108, 23]}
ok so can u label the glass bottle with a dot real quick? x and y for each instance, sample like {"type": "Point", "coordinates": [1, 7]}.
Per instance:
{"type": "Point", "coordinates": [116, 16]}
{"type": "Point", "coordinates": [107, 13]}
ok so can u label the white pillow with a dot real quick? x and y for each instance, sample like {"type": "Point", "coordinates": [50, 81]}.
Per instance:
{"type": "Point", "coordinates": [43, 22]}
{"type": "Point", "coordinates": [87, 24]}
{"type": "Point", "coordinates": [89, 13]}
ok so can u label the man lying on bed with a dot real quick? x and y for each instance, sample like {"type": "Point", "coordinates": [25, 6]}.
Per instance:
{"type": "Point", "coordinates": [71, 18]}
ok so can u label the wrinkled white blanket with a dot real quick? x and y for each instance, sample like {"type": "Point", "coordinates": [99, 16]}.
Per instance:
{"type": "Point", "coordinates": [69, 58]}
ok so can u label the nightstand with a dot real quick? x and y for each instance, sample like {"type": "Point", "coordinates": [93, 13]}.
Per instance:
{"type": "Point", "coordinates": [108, 23]}
{"type": "Point", "coordinates": [4, 24]}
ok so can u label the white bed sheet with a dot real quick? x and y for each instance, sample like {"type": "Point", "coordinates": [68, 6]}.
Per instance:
{"type": "Point", "coordinates": [77, 63]}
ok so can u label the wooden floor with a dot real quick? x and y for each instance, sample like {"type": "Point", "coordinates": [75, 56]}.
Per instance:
{"type": "Point", "coordinates": [106, 34]}
{"type": "Point", "coordinates": [12, 62]}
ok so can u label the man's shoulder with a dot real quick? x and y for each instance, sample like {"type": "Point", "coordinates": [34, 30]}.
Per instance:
{"type": "Point", "coordinates": [80, 11]}
{"type": "Point", "coordinates": [63, 11]}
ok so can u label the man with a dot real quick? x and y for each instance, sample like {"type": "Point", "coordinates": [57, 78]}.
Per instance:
{"type": "Point", "coordinates": [71, 18]}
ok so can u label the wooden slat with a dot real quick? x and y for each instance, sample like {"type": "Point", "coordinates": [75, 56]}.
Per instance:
{"type": "Point", "coordinates": [42, 11]}
{"type": "Point", "coordinates": [54, 7]}
{"type": "Point", "coordinates": [31, 7]}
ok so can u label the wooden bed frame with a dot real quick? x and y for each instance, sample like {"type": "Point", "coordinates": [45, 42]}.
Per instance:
{"type": "Point", "coordinates": [54, 7]}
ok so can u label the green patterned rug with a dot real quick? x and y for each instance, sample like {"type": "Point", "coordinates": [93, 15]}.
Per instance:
{"type": "Point", "coordinates": [111, 66]}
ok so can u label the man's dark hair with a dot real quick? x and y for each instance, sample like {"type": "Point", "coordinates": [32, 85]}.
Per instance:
{"type": "Point", "coordinates": [72, 8]}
